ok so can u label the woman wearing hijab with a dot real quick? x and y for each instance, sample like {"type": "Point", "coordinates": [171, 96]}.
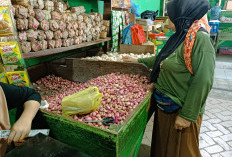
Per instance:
{"type": "Point", "coordinates": [15, 97]}
{"type": "Point", "coordinates": [183, 74]}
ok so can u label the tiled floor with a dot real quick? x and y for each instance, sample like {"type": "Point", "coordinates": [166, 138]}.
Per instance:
{"type": "Point", "coordinates": [216, 130]}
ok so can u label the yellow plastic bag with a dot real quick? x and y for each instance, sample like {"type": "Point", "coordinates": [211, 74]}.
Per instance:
{"type": "Point", "coordinates": [82, 102]}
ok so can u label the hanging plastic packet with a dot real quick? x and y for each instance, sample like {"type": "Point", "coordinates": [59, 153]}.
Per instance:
{"type": "Point", "coordinates": [10, 53]}
{"type": "Point", "coordinates": [6, 25]}
{"type": "Point", "coordinates": [18, 78]}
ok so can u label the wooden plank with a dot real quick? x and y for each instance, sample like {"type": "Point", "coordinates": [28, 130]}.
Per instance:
{"type": "Point", "coordinates": [62, 49]}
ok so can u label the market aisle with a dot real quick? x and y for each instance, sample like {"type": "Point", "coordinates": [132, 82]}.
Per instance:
{"type": "Point", "coordinates": [216, 130]}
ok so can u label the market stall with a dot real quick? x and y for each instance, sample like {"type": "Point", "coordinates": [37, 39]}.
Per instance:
{"type": "Point", "coordinates": [46, 28]}
{"type": "Point", "coordinates": [95, 139]}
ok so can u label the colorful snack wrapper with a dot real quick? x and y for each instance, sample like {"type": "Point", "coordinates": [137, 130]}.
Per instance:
{"type": "Point", "coordinates": [6, 25]}
{"type": "Point", "coordinates": [18, 78]}
{"type": "Point", "coordinates": [10, 53]}
{"type": "Point", "coordinates": [3, 78]}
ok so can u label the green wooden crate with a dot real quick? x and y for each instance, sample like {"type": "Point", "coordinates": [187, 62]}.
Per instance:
{"type": "Point", "coordinates": [123, 141]}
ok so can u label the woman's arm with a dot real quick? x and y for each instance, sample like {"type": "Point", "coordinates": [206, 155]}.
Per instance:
{"type": "Point", "coordinates": [22, 126]}
{"type": "Point", "coordinates": [30, 99]}
{"type": "Point", "coordinates": [148, 62]}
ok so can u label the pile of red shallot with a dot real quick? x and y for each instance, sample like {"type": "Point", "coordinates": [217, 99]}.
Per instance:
{"type": "Point", "coordinates": [121, 94]}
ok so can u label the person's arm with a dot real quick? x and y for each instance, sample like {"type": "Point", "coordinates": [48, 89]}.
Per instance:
{"type": "Point", "coordinates": [22, 126]}
{"type": "Point", "coordinates": [30, 100]}
{"type": "Point", "coordinates": [148, 62]}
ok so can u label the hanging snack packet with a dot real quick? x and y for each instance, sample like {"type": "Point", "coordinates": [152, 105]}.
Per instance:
{"type": "Point", "coordinates": [6, 25]}
{"type": "Point", "coordinates": [10, 53]}
{"type": "Point", "coordinates": [3, 78]}
{"type": "Point", "coordinates": [2, 68]}
{"type": "Point", "coordinates": [18, 78]}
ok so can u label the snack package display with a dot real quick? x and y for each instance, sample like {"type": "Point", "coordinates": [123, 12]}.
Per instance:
{"type": "Point", "coordinates": [3, 78]}
{"type": "Point", "coordinates": [22, 24]}
{"type": "Point", "coordinates": [33, 23]}
{"type": "Point", "coordinates": [18, 78]}
{"type": "Point", "coordinates": [25, 46]}
{"type": "Point", "coordinates": [44, 25]}
{"type": "Point", "coordinates": [10, 53]}
{"type": "Point", "coordinates": [49, 5]}
{"type": "Point", "coordinates": [51, 44]}
{"type": "Point", "coordinates": [2, 68]}
{"type": "Point", "coordinates": [6, 25]}
{"type": "Point", "coordinates": [22, 36]}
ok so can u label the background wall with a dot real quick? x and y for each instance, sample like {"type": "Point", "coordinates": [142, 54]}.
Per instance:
{"type": "Point", "coordinates": [147, 5]}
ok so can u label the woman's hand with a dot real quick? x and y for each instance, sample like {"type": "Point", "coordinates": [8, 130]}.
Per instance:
{"type": "Point", "coordinates": [20, 130]}
{"type": "Point", "coordinates": [129, 59]}
{"type": "Point", "coordinates": [22, 127]}
{"type": "Point", "coordinates": [181, 123]}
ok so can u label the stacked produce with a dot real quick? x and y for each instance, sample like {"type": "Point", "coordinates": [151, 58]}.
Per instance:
{"type": "Point", "coordinates": [105, 29]}
{"type": "Point", "coordinates": [47, 24]}
{"type": "Point", "coordinates": [117, 57]}
{"type": "Point", "coordinates": [121, 94]}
